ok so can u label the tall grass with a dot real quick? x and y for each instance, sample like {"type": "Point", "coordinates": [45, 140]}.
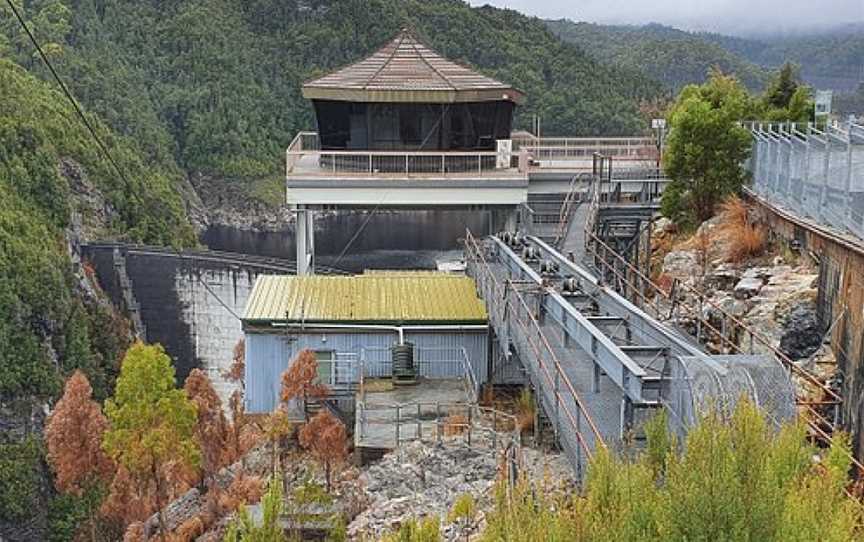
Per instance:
{"type": "Point", "coordinates": [744, 239]}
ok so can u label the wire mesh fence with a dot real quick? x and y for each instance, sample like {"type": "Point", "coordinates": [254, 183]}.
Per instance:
{"type": "Point", "coordinates": [816, 173]}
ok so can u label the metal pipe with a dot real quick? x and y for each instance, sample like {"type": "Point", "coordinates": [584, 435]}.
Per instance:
{"type": "Point", "coordinates": [400, 330]}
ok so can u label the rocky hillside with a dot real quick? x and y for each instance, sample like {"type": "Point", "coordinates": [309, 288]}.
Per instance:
{"type": "Point", "coordinates": [771, 291]}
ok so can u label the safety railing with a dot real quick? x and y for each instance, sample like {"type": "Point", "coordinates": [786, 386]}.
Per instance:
{"type": "Point", "coordinates": [515, 321]}
{"type": "Point", "coordinates": [682, 303]}
{"type": "Point", "coordinates": [815, 171]}
{"type": "Point", "coordinates": [343, 372]}
{"type": "Point", "coordinates": [391, 425]}
{"type": "Point", "coordinates": [431, 363]}
{"type": "Point", "coordinates": [305, 157]}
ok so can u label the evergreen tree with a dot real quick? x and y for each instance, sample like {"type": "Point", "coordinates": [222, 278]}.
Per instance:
{"type": "Point", "coordinates": [74, 439]}
{"type": "Point", "coordinates": [152, 423]}
{"type": "Point", "coordinates": [706, 148]}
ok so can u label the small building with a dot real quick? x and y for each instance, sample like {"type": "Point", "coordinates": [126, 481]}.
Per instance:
{"type": "Point", "coordinates": [352, 324]}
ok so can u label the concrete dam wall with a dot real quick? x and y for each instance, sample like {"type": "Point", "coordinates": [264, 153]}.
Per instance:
{"type": "Point", "coordinates": [188, 302]}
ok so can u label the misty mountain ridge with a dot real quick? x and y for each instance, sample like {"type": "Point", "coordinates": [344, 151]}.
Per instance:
{"type": "Point", "coordinates": [829, 56]}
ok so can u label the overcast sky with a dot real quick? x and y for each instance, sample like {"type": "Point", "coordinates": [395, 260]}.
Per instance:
{"type": "Point", "coordinates": [731, 16]}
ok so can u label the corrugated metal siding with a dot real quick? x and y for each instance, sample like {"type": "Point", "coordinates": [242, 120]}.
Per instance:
{"type": "Point", "coordinates": [373, 298]}
{"type": "Point", "coordinates": [267, 356]}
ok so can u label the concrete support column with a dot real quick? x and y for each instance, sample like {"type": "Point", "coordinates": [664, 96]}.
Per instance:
{"type": "Point", "coordinates": [305, 240]}
{"type": "Point", "coordinates": [511, 219]}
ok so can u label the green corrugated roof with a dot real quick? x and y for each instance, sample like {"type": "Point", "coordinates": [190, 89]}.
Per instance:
{"type": "Point", "coordinates": [373, 298]}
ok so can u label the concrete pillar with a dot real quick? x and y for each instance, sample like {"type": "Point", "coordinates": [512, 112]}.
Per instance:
{"type": "Point", "coordinates": [511, 219]}
{"type": "Point", "coordinates": [305, 240]}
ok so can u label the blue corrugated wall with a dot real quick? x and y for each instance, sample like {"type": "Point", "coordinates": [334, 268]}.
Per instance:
{"type": "Point", "coordinates": [267, 356]}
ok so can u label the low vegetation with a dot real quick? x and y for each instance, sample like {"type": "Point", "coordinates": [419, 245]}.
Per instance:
{"type": "Point", "coordinates": [732, 480]}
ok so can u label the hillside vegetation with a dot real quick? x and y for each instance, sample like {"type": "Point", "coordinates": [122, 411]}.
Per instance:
{"type": "Point", "coordinates": [671, 56]}
{"type": "Point", "coordinates": [214, 86]}
{"type": "Point", "coordinates": [829, 60]}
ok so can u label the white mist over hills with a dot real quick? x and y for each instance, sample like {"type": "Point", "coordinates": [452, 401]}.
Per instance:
{"type": "Point", "coordinates": [735, 17]}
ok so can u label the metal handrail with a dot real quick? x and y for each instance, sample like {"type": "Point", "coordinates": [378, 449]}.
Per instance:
{"type": "Point", "coordinates": [538, 345]}
{"type": "Point", "coordinates": [414, 417]}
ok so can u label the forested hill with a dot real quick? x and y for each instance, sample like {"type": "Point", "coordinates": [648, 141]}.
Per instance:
{"type": "Point", "coordinates": [672, 56]}
{"type": "Point", "coordinates": [214, 85]}
{"type": "Point", "coordinates": [828, 60]}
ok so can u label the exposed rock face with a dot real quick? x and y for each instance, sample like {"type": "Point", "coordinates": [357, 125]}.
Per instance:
{"type": "Point", "coordinates": [801, 333]}
{"type": "Point", "coordinates": [747, 287]}
{"type": "Point", "coordinates": [681, 264]}
{"type": "Point", "coordinates": [226, 202]}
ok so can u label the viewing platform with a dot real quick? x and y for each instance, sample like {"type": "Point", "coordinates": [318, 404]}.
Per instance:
{"type": "Point", "coordinates": [358, 177]}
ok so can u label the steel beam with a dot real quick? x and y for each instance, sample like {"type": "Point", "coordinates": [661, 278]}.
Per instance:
{"type": "Point", "coordinates": [607, 356]}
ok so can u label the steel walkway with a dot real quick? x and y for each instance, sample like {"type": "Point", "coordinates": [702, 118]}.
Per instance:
{"type": "Point", "coordinates": [597, 362]}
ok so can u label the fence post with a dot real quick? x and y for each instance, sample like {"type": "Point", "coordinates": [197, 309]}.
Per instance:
{"type": "Point", "coordinates": [823, 195]}
{"type": "Point", "coordinates": [397, 425]}
{"type": "Point", "coordinates": [848, 183]}
{"type": "Point", "coordinates": [470, 412]}
{"type": "Point", "coordinates": [419, 423]}
{"type": "Point", "coordinates": [438, 422]}
{"type": "Point", "coordinates": [494, 428]}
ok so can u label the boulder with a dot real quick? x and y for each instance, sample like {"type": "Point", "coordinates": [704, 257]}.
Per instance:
{"type": "Point", "coordinates": [681, 264]}
{"type": "Point", "coordinates": [802, 335]}
{"type": "Point", "coordinates": [748, 287]}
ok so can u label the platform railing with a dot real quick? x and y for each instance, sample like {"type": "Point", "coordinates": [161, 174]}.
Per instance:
{"type": "Point", "coordinates": [430, 362]}
{"type": "Point", "coordinates": [305, 156]}
{"type": "Point", "coordinates": [392, 425]}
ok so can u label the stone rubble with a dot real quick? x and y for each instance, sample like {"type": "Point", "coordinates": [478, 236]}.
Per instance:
{"type": "Point", "coordinates": [769, 296]}
{"type": "Point", "coordinates": [422, 480]}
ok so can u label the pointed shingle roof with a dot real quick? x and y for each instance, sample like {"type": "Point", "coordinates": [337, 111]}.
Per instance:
{"type": "Point", "coordinates": [406, 70]}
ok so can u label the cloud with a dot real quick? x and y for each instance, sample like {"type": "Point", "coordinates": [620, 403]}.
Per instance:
{"type": "Point", "coordinates": [734, 16]}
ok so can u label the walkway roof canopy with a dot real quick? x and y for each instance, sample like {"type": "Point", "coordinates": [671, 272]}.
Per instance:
{"type": "Point", "coordinates": [378, 298]}
{"type": "Point", "coordinates": [407, 71]}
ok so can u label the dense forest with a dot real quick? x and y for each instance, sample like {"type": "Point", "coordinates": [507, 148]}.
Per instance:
{"type": "Point", "coordinates": [671, 56]}
{"type": "Point", "coordinates": [827, 59]}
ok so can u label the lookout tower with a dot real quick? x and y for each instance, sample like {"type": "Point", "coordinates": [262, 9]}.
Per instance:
{"type": "Point", "coordinates": [405, 96]}
{"type": "Point", "coordinates": [405, 128]}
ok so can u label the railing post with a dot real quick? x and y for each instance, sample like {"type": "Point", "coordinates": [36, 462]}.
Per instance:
{"type": "Point", "coordinates": [406, 164]}
{"type": "Point", "coordinates": [470, 412]}
{"type": "Point", "coordinates": [419, 424]}
{"type": "Point", "coordinates": [494, 428]}
{"type": "Point", "coordinates": [438, 422]}
{"type": "Point", "coordinates": [848, 183]}
{"type": "Point", "coordinates": [825, 175]}
{"type": "Point", "coordinates": [397, 424]}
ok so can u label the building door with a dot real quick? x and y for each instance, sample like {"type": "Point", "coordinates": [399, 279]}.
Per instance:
{"type": "Point", "coordinates": [326, 370]}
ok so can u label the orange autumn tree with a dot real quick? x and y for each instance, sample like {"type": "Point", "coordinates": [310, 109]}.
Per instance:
{"type": "Point", "coordinates": [300, 381]}
{"type": "Point", "coordinates": [211, 428]}
{"type": "Point", "coordinates": [74, 440]}
{"type": "Point", "coordinates": [325, 438]}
